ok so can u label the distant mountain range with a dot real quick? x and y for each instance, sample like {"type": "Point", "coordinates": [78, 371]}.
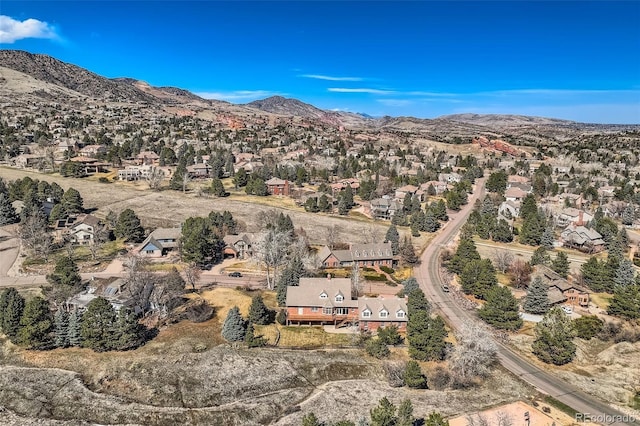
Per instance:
{"type": "Point", "coordinates": [23, 74]}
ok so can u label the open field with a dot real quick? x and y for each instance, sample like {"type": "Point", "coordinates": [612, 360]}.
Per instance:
{"type": "Point", "coordinates": [169, 208]}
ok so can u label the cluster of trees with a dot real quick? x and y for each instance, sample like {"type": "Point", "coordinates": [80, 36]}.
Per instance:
{"type": "Point", "coordinates": [405, 249]}
{"type": "Point", "coordinates": [202, 237]}
{"type": "Point", "coordinates": [237, 329]}
{"type": "Point", "coordinates": [427, 220]}
{"type": "Point", "coordinates": [100, 327]}
{"type": "Point", "coordinates": [384, 414]}
{"type": "Point", "coordinates": [484, 222]}
{"type": "Point", "coordinates": [425, 333]}
{"type": "Point", "coordinates": [458, 195]}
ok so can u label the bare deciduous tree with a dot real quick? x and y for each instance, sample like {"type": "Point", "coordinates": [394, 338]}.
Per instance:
{"type": "Point", "coordinates": [100, 236]}
{"type": "Point", "coordinates": [504, 419]}
{"type": "Point", "coordinates": [139, 282]}
{"type": "Point", "coordinates": [192, 275]}
{"type": "Point", "coordinates": [185, 181]}
{"type": "Point", "coordinates": [155, 177]}
{"type": "Point", "coordinates": [34, 236]}
{"type": "Point", "coordinates": [332, 236]}
{"type": "Point", "coordinates": [520, 274]}
{"type": "Point", "coordinates": [477, 420]}
{"type": "Point", "coordinates": [502, 260]}
{"type": "Point", "coordinates": [271, 251]}
{"type": "Point", "coordinates": [473, 356]}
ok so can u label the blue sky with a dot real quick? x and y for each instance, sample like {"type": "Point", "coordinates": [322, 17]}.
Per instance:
{"type": "Point", "coordinates": [573, 60]}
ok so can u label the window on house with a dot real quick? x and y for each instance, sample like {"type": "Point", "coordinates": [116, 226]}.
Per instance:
{"type": "Point", "coordinates": [339, 298]}
{"type": "Point", "coordinates": [323, 295]}
{"type": "Point", "coordinates": [149, 251]}
{"type": "Point", "coordinates": [400, 314]}
{"type": "Point", "coordinates": [384, 314]}
{"type": "Point", "coordinates": [314, 309]}
{"type": "Point", "coordinates": [366, 314]}
{"type": "Point", "coordinates": [327, 311]}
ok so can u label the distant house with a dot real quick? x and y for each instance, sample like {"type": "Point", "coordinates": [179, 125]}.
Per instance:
{"type": "Point", "coordinates": [438, 186]}
{"type": "Point", "coordinates": [148, 158]}
{"type": "Point", "coordinates": [561, 290]}
{"type": "Point", "coordinates": [573, 216]}
{"type": "Point", "coordinates": [582, 238]}
{"type": "Point", "coordinates": [509, 209]}
{"type": "Point", "coordinates": [404, 190]}
{"type": "Point", "coordinates": [84, 228]}
{"type": "Point", "coordinates": [337, 187]}
{"type": "Point", "coordinates": [160, 242]}
{"type": "Point", "coordinates": [321, 301]}
{"type": "Point", "coordinates": [237, 247]}
{"type": "Point", "coordinates": [115, 291]}
{"type": "Point", "coordinates": [367, 255]}
{"type": "Point", "coordinates": [449, 177]}
{"type": "Point", "coordinates": [515, 194]}
{"type": "Point", "coordinates": [382, 311]}
{"type": "Point", "coordinates": [93, 150]}
{"type": "Point", "coordinates": [90, 165]}
{"type": "Point", "coordinates": [132, 173]}
{"type": "Point", "coordinates": [28, 160]}
{"type": "Point", "coordinates": [384, 208]}
{"type": "Point", "coordinates": [202, 170]}
{"type": "Point", "coordinates": [277, 186]}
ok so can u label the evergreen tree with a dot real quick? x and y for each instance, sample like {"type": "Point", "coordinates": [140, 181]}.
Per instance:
{"type": "Point", "coordinates": [65, 280]}
{"type": "Point", "coordinates": [417, 302]}
{"type": "Point", "coordinates": [241, 178]}
{"type": "Point", "coordinates": [177, 180]}
{"type": "Point", "coordinates": [415, 226]}
{"type": "Point", "coordinates": [502, 232]}
{"type": "Point", "coordinates": [466, 252]}
{"type": "Point", "coordinates": [258, 311]}
{"type": "Point", "coordinates": [625, 302]}
{"type": "Point", "coordinates": [478, 277]}
{"type": "Point", "coordinates": [532, 229]}
{"type": "Point", "coordinates": [436, 419]}
{"type": "Point", "coordinates": [537, 299]}
{"type": "Point", "coordinates": [377, 348]}
{"type": "Point", "coordinates": [199, 242]}
{"type": "Point", "coordinates": [323, 204]}
{"type": "Point", "coordinates": [393, 237]}
{"type": "Point", "coordinates": [554, 334]}
{"type": "Point", "coordinates": [413, 376]}
{"type": "Point", "coordinates": [594, 274]}
{"type": "Point", "coordinates": [501, 310]}
{"type": "Point", "coordinates": [431, 224]}
{"type": "Point", "coordinates": [408, 253]}
{"type": "Point", "coordinates": [75, 329]}
{"type": "Point", "coordinates": [234, 327]}
{"type": "Point", "coordinates": [61, 329]}
{"type": "Point", "coordinates": [217, 188]}
{"type": "Point", "coordinates": [13, 304]}
{"type": "Point", "coordinates": [439, 209]}
{"type": "Point", "coordinates": [426, 337]}
{"type": "Point", "coordinates": [8, 214]}
{"type": "Point", "coordinates": [408, 285]}
{"type": "Point", "coordinates": [343, 210]}
{"type": "Point", "coordinates": [405, 414]}
{"type": "Point", "coordinates": [97, 325]}
{"type": "Point", "coordinates": [347, 196]}
{"type": "Point", "coordinates": [311, 205]}
{"type": "Point", "coordinates": [497, 182]}
{"type": "Point", "coordinates": [389, 335]}
{"type": "Point", "coordinates": [36, 324]}
{"type": "Point", "coordinates": [384, 414]}
{"type": "Point", "coordinates": [540, 257]}
{"type": "Point", "coordinates": [548, 238]}
{"type": "Point", "coordinates": [129, 333]}
{"type": "Point", "coordinates": [129, 227]}
{"type": "Point", "coordinates": [628, 215]}
{"type": "Point", "coordinates": [251, 339]}
{"type": "Point", "coordinates": [625, 274]}
{"type": "Point", "coordinates": [561, 264]}
{"type": "Point", "coordinates": [529, 207]}
{"type": "Point", "coordinates": [310, 420]}
{"type": "Point", "coordinates": [71, 202]}
{"type": "Point", "coordinates": [289, 277]}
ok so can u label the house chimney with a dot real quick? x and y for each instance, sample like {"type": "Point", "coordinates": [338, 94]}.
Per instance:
{"type": "Point", "coordinates": [580, 218]}
{"type": "Point", "coordinates": [328, 277]}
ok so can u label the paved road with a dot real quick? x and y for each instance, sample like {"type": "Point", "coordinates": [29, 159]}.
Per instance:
{"type": "Point", "coordinates": [428, 277]}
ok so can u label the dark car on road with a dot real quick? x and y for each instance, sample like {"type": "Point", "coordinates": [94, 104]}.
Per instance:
{"type": "Point", "coordinates": [235, 274]}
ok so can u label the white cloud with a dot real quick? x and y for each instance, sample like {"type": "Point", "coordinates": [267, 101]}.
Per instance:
{"type": "Point", "coordinates": [237, 95]}
{"type": "Point", "coordinates": [330, 78]}
{"type": "Point", "coordinates": [395, 102]}
{"type": "Point", "coordinates": [361, 90]}
{"type": "Point", "coordinates": [12, 30]}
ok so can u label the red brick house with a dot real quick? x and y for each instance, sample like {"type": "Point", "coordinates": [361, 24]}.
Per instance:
{"type": "Point", "coordinates": [369, 255]}
{"type": "Point", "coordinates": [277, 186]}
{"type": "Point", "coordinates": [382, 311]}
{"type": "Point", "coordinates": [319, 301]}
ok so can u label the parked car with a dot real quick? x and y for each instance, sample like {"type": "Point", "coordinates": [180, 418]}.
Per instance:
{"type": "Point", "coordinates": [235, 274]}
{"type": "Point", "coordinates": [445, 288]}
{"type": "Point", "coordinates": [567, 310]}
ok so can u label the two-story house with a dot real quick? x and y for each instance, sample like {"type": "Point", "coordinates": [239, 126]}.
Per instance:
{"type": "Point", "coordinates": [160, 242]}
{"type": "Point", "coordinates": [319, 301]}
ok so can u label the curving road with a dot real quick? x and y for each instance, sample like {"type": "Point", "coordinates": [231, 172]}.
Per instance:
{"type": "Point", "coordinates": [427, 275]}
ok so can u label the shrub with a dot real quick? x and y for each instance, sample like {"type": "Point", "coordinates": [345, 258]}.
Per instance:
{"type": "Point", "coordinates": [587, 327]}
{"type": "Point", "coordinates": [440, 378]}
{"type": "Point", "coordinates": [103, 180]}
{"type": "Point", "coordinates": [413, 376]}
{"type": "Point", "coordinates": [387, 269]}
{"type": "Point", "coordinates": [376, 277]}
{"type": "Point", "coordinates": [377, 348]}
{"type": "Point", "coordinates": [281, 317]}
{"type": "Point", "coordinates": [390, 336]}
{"type": "Point", "coordinates": [395, 373]}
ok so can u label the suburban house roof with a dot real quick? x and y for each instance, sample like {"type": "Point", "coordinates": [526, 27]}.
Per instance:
{"type": "Point", "coordinates": [581, 235]}
{"type": "Point", "coordinates": [362, 252]}
{"type": "Point", "coordinates": [163, 238]}
{"type": "Point", "coordinates": [321, 292]}
{"type": "Point", "coordinates": [395, 307]}
{"type": "Point", "coordinates": [557, 284]}
{"type": "Point", "coordinates": [515, 192]}
{"type": "Point", "coordinates": [275, 181]}
{"type": "Point", "coordinates": [87, 219]}
{"type": "Point", "coordinates": [233, 239]}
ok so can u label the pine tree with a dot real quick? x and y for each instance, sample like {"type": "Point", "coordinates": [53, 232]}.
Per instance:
{"type": "Point", "coordinates": [501, 309]}
{"type": "Point", "coordinates": [408, 253]}
{"type": "Point", "coordinates": [129, 333]}
{"type": "Point", "coordinates": [436, 419]}
{"type": "Point", "coordinates": [343, 210]}
{"type": "Point", "coordinates": [251, 339]}
{"type": "Point", "coordinates": [439, 209]}
{"type": "Point", "coordinates": [394, 237]}
{"type": "Point", "coordinates": [405, 414]}
{"type": "Point", "coordinates": [129, 227]}
{"type": "Point", "coordinates": [75, 333]}
{"type": "Point", "coordinates": [71, 202]}
{"type": "Point", "coordinates": [12, 312]}
{"type": "Point", "coordinates": [561, 264]}
{"type": "Point", "coordinates": [323, 203]}
{"type": "Point", "coordinates": [554, 334]}
{"type": "Point", "coordinates": [502, 232]}
{"type": "Point", "coordinates": [426, 337]}
{"type": "Point", "coordinates": [234, 327]}
{"type": "Point", "coordinates": [537, 299]}
{"type": "Point", "coordinates": [431, 224]}
{"type": "Point", "coordinates": [97, 327]}
{"type": "Point", "coordinates": [384, 414]}
{"type": "Point", "coordinates": [625, 274]}
{"type": "Point", "coordinates": [65, 280]}
{"type": "Point", "coordinates": [625, 302]}
{"type": "Point", "coordinates": [36, 324]}
{"type": "Point", "coordinates": [258, 311]}
{"type": "Point", "coordinates": [466, 252]}
{"type": "Point", "coordinates": [594, 274]}
{"type": "Point", "coordinates": [8, 214]}
{"type": "Point", "coordinates": [413, 376]}
{"type": "Point", "coordinates": [217, 188]}
{"type": "Point", "coordinates": [478, 277]}
{"type": "Point", "coordinates": [548, 238]}
{"type": "Point", "coordinates": [540, 257]}
{"type": "Point", "coordinates": [628, 215]}
{"type": "Point", "coordinates": [408, 285]}
{"type": "Point", "coordinates": [417, 302]}
{"type": "Point", "coordinates": [529, 207]}
{"type": "Point", "coordinates": [61, 329]}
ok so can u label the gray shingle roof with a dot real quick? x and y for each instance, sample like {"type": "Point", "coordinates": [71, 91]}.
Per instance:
{"type": "Point", "coordinates": [309, 291]}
